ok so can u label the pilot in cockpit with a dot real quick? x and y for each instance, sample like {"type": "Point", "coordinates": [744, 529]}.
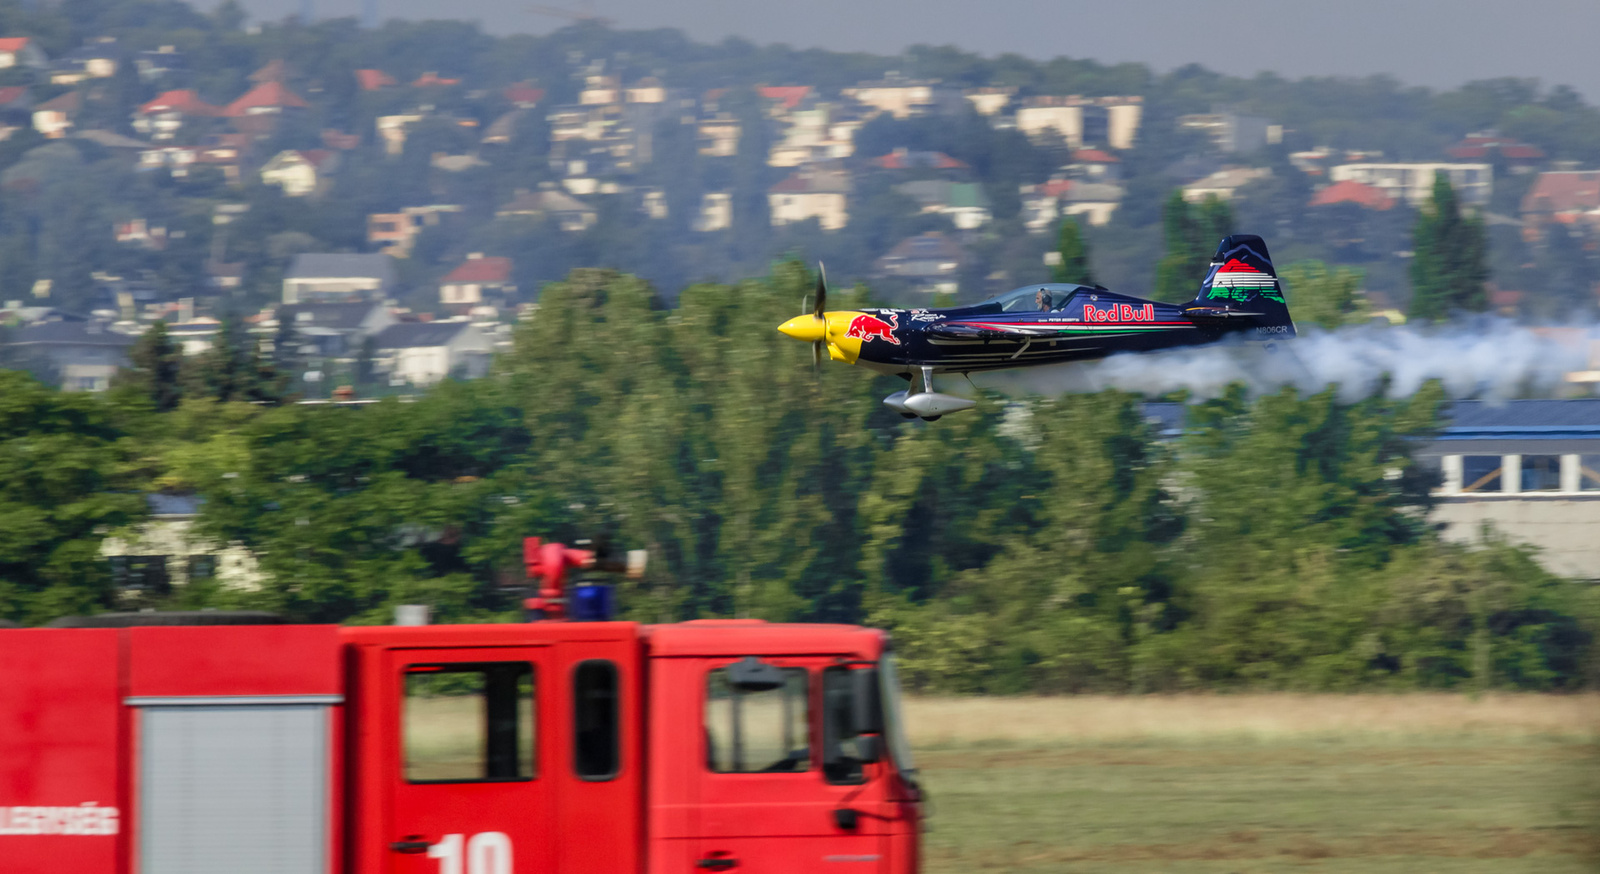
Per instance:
{"type": "Point", "coordinates": [1043, 302]}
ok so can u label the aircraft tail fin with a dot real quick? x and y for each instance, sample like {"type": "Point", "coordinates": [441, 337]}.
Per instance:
{"type": "Point", "coordinates": [1242, 289]}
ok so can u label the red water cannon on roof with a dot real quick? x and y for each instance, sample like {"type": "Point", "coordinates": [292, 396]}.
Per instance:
{"type": "Point", "coordinates": [547, 565]}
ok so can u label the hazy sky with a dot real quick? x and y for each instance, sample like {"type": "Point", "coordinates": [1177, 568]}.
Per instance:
{"type": "Point", "coordinates": [1441, 43]}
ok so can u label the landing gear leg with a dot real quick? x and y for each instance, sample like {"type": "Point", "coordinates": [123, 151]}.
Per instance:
{"type": "Point", "coordinates": [927, 388]}
{"type": "Point", "coordinates": [922, 402]}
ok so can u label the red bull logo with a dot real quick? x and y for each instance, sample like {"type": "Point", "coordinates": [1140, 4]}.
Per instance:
{"type": "Point", "coordinates": [1122, 312]}
{"type": "Point", "coordinates": [872, 328]}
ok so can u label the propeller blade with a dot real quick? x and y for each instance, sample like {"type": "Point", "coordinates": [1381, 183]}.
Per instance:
{"type": "Point", "coordinates": [822, 290]}
{"type": "Point", "coordinates": [816, 354]}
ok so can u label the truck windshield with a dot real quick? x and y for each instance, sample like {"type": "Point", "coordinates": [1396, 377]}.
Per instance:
{"type": "Point", "coordinates": [894, 722]}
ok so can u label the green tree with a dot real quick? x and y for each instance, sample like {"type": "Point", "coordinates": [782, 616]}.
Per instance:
{"type": "Point", "coordinates": [1191, 232]}
{"type": "Point", "coordinates": [1320, 294]}
{"type": "Point", "coordinates": [233, 369]}
{"type": "Point", "coordinates": [64, 483]}
{"type": "Point", "coordinates": [1298, 505]}
{"type": "Point", "coordinates": [1074, 252]}
{"type": "Point", "coordinates": [1450, 264]}
{"type": "Point", "coordinates": [422, 502]}
{"type": "Point", "coordinates": [157, 366]}
{"type": "Point", "coordinates": [1072, 572]}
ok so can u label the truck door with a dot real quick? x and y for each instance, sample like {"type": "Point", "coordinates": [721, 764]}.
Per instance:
{"type": "Point", "coordinates": [770, 801]}
{"type": "Point", "coordinates": [466, 791]}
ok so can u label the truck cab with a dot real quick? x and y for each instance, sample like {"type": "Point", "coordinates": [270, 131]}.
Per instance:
{"type": "Point", "coordinates": [578, 747]}
{"type": "Point", "coordinates": [713, 745]}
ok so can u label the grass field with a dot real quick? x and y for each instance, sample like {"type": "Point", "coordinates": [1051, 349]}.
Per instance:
{"type": "Point", "coordinates": [1262, 783]}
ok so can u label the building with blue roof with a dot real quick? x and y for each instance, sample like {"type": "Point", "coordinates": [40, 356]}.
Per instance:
{"type": "Point", "coordinates": [1531, 469]}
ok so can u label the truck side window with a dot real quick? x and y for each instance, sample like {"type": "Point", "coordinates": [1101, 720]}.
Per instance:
{"type": "Point", "coordinates": [749, 732]}
{"type": "Point", "coordinates": [594, 720]}
{"type": "Point", "coordinates": [468, 722]}
{"type": "Point", "coordinates": [838, 699]}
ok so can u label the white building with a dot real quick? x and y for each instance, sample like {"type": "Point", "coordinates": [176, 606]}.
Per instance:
{"type": "Point", "coordinates": [599, 90]}
{"type": "Point", "coordinates": [1531, 470]}
{"type": "Point", "coordinates": [1413, 181]}
{"type": "Point", "coordinates": [165, 552]}
{"type": "Point", "coordinates": [814, 194]}
{"type": "Point", "coordinates": [328, 330]}
{"type": "Point", "coordinates": [647, 90]}
{"type": "Point", "coordinates": [1223, 183]}
{"type": "Point", "coordinates": [989, 101]}
{"type": "Point", "coordinates": [719, 136]}
{"type": "Point", "coordinates": [1093, 202]}
{"type": "Point", "coordinates": [423, 353]}
{"type": "Point", "coordinates": [317, 277]}
{"type": "Point", "coordinates": [897, 95]}
{"type": "Point", "coordinates": [716, 211]}
{"type": "Point", "coordinates": [86, 355]}
{"type": "Point", "coordinates": [299, 173]}
{"type": "Point", "coordinates": [964, 203]}
{"type": "Point", "coordinates": [475, 280]}
{"type": "Point", "coordinates": [1097, 121]}
{"type": "Point", "coordinates": [1234, 133]}
{"type": "Point", "coordinates": [821, 133]}
{"type": "Point", "coordinates": [566, 211]}
{"type": "Point", "coordinates": [392, 130]}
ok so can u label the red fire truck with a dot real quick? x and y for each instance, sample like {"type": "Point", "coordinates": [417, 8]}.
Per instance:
{"type": "Point", "coordinates": [590, 747]}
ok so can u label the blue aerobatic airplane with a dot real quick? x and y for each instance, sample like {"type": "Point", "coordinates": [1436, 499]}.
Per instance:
{"type": "Point", "coordinates": [1046, 324]}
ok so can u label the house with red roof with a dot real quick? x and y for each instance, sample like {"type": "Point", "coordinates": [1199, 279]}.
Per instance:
{"type": "Point", "coordinates": [374, 80]}
{"type": "Point", "coordinates": [476, 280]}
{"type": "Point", "coordinates": [22, 51]}
{"type": "Point", "coordinates": [268, 98]}
{"type": "Point", "coordinates": [1565, 196]}
{"type": "Point", "coordinates": [163, 117]}
{"type": "Point", "coordinates": [434, 80]}
{"type": "Point", "coordinates": [1094, 165]}
{"type": "Point", "coordinates": [523, 95]}
{"type": "Point", "coordinates": [1505, 301]}
{"type": "Point", "coordinates": [905, 159]}
{"type": "Point", "coordinates": [1041, 203]}
{"type": "Point", "coordinates": [1520, 157]}
{"type": "Point", "coordinates": [1351, 191]}
{"type": "Point", "coordinates": [711, 100]}
{"type": "Point", "coordinates": [784, 97]}
{"type": "Point", "coordinates": [1563, 191]}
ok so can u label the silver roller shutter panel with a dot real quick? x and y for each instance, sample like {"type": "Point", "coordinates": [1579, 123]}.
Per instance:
{"type": "Point", "coordinates": [233, 789]}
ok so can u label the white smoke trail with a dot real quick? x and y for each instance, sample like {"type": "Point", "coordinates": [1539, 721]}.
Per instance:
{"type": "Point", "coordinates": [1487, 358]}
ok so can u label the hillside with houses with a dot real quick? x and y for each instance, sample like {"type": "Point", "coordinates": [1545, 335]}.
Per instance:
{"type": "Point", "coordinates": [381, 206]}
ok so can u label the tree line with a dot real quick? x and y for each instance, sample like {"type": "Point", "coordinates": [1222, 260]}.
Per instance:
{"type": "Point", "coordinates": [1035, 544]}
